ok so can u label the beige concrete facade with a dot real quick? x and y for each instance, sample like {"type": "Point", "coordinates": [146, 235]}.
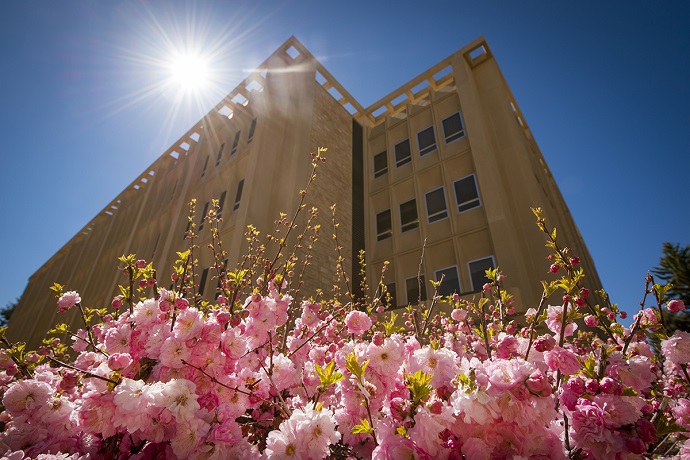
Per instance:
{"type": "Point", "coordinates": [446, 158]}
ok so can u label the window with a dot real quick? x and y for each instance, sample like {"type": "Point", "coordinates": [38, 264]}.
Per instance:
{"type": "Point", "coordinates": [451, 282]}
{"type": "Point", "coordinates": [202, 283]}
{"type": "Point", "coordinates": [436, 205]}
{"type": "Point", "coordinates": [221, 202]}
{"type": "Point", "coordinates": [203, 171]}
{"type": "Point", "coordinates": [155, 246]}
{"type": "Point", "coordinates": [235, 142]}
{"type": "Point", "coordinates": [390, 291]}
{"type": "Point", "coordinates": [383, 225]}
{"type": "Point", "coordinates": [402, 153]}
{"type": "Point", "coordinates": [380, 164]}
{"type": "Point", "coordinates": [172, 195]}
{"type": "Point", "coordinates": [203, 216]}
{"type": "Point", "coordinates": [220, 153]}
{"type": "Point", "coordinates": [452, 128]}
{"type": "Point", "coordinates": [238, 195]}
{"type": "Point", "coordinates": [219, 289]}
{"type": "Point", "coordinates": [466, 193]}
{"type": "Point", "coordinates": [412, 285]}
{"type": "Point", "coordinates": [186, 230]}
{"type": "Point", "coordinates": [426, 140]}
{"type": "Point", "coordinates": [478, 270]}
{"type": "Point", "coordinates": [250, 136]}
{"type": "Point", "coordinates": [408, 215]}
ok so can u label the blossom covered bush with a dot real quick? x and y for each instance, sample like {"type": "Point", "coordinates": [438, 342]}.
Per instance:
{"type": "Point", "coordinates": [260, 373]}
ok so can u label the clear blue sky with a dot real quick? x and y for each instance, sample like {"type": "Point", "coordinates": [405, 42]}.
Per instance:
{"type": "Point", "coordinates": [604, 86]}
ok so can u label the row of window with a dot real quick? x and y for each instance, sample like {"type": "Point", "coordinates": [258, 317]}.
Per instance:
{"type": "Point", "coordinates": [466, 198]}
{"type": "Point", "coordinates": [453, 129]}
{"type": "Point", "coordinates": [235, 145]}
{"type": "Point", "coordinates": [221, 205]}
{"type": "Point", "coordinates": [451, 282]}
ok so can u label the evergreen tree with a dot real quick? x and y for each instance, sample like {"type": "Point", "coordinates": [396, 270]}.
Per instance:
{"type": "Point", "coordinates": [6, 312]}
{"type": "Point", "coordinates": [674, 268]}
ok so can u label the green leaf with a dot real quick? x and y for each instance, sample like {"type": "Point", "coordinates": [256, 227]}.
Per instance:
{"type": "Point", "coordinates": [363, 427]}
{"type": "Point", "coordinates": [353, 366]}
{"type": "Point", "coordinates": [328, 376]}
{"type": "Point", "coordinates": [418, 384]}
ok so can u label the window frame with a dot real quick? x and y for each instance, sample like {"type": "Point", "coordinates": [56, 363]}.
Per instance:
{"type": "Point", "coordinates": [406, 227]}
{"type": "Point", "coordinates": [478, 199]}
{"type": "Point", "coordinates": [448, 138]}
{"type": "Point", "coordinates": [405, 160]}
{"type": "Point", "coordinates": [203, 216]}
{"type": "Point", "coordinates": [384, 235]}
{"type": "Point", "coordinates": [416, 286]}
{"type": "Point", "coordinates": [469, 271]}
{"type": "Point", "coordinates": [202, 281]}
{"type": "Point", "coordinates": [238, 195]}
{"type": "Point", "coordinates": [457, 277]}
{"type": "Point", "coordinates": [438, 215]}
{"type": "Point", "coordinates": [429, 148]}
{"type": "Point", "coordinates": [236, 142]}
{"type": "Point", "coordinates": [220, 154]}
{"type": "Point", "coordinates": [384, 170]}
{"type": "Point", "coordinates": [250, 134]}
{"type": "Point", "coordinates": [221, 203]}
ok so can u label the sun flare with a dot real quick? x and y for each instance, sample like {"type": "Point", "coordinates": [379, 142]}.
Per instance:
{"type": "Point", "coordinates": [189, 72]}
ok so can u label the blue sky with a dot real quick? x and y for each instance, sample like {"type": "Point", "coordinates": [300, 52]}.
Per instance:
{"type": "Point", "coordinates": [604, 86]}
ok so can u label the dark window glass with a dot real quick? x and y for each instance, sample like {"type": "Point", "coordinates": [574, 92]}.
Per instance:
{"type": "Point", "coordinates": [202, 283]}
{"type": "Point", "coordinates": [426, 140]}
{"type": "Point", "coordinates": [380, 164]}
{"type": "Point", "coordinates": [220, 153]}
{"type": "Point", "coordinates": [202, 220]}
{"type": "Point", "coordinates": [452, 128]}
{"type": "Point", "coordinates": [383, 225]}
{"type": "Point", "coordinates": [451, 282]}
{"type": "Point", "coordinates": [238, 195]}
{"type": "Point", "coordinates": [221, 202]}
{"type": "Point", "coordinates": [408, 215]}
{"type": "Point", "coordinates": [478, 270]}
{"type": "Point", "coordinates": [203, 171]}
{"type": "Point", "coordinates": [402, 153]}
{"type": "Point", "coordinates": [466, 193]}
{"type": "Point", "coordinates": [252, 127]}
{"type": "Point", "coordinates": [235, 142]}
{"type": "Point", "coordinates": [436, 205]}
{"type": "Point", "coordinates": [412, 285]}
{"type": "Point", "coordinates": [390, 291]}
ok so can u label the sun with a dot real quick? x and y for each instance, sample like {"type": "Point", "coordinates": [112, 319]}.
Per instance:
{"type": "Point", "coordinates": [189, 72]}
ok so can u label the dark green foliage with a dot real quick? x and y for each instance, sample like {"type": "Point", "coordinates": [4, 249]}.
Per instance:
{"type": "Point", "coordinates": [674, 268]}
{"type": "Point", "coordinates": [6, 312]}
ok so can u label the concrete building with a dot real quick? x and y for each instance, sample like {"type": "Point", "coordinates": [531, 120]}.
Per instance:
{"type": "Point", "coordinates": [445, 165]}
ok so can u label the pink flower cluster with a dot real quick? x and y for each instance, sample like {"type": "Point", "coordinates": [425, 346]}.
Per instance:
{"type": "Point", "coordinates": [178, 381]}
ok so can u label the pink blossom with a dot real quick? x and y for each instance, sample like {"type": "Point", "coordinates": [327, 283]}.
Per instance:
{"type": "Point", "coordinates": [591, 320]}
{"type": "Point", "coordinates": [180, 398]}
{"type": "Point", "coordinates": [188, 324]}
{"type": "Point", "coordinates": [675, 305]}
{"type": "Point", "coordinates": [117, 339]}
{"type": "Point", "coordinates": [25, 396]}
{"type": "Point", "coordinates": [538, 384]}
{"type": "Point", "coordinates": [563, 360]}
{"type": "Point", "coordinates": [119, 361]}
{"type": "Point", "coordinates": [357, 322]}
{"type": "Point", "coordinates": [554, 321]}
{"type": "Point", "coordinates": [68, 300]}
{"type": "Point", "coordinates": [677, 348]}
{"type": "Point", "coordinates": [459, 314]}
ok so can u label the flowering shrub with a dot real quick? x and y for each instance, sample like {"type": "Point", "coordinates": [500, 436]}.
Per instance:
{"type": "Point", "coordinates": [258, 374]}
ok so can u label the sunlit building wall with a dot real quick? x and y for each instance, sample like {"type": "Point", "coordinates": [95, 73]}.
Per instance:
{"type": "Point", "coordinates": [437, 178]}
